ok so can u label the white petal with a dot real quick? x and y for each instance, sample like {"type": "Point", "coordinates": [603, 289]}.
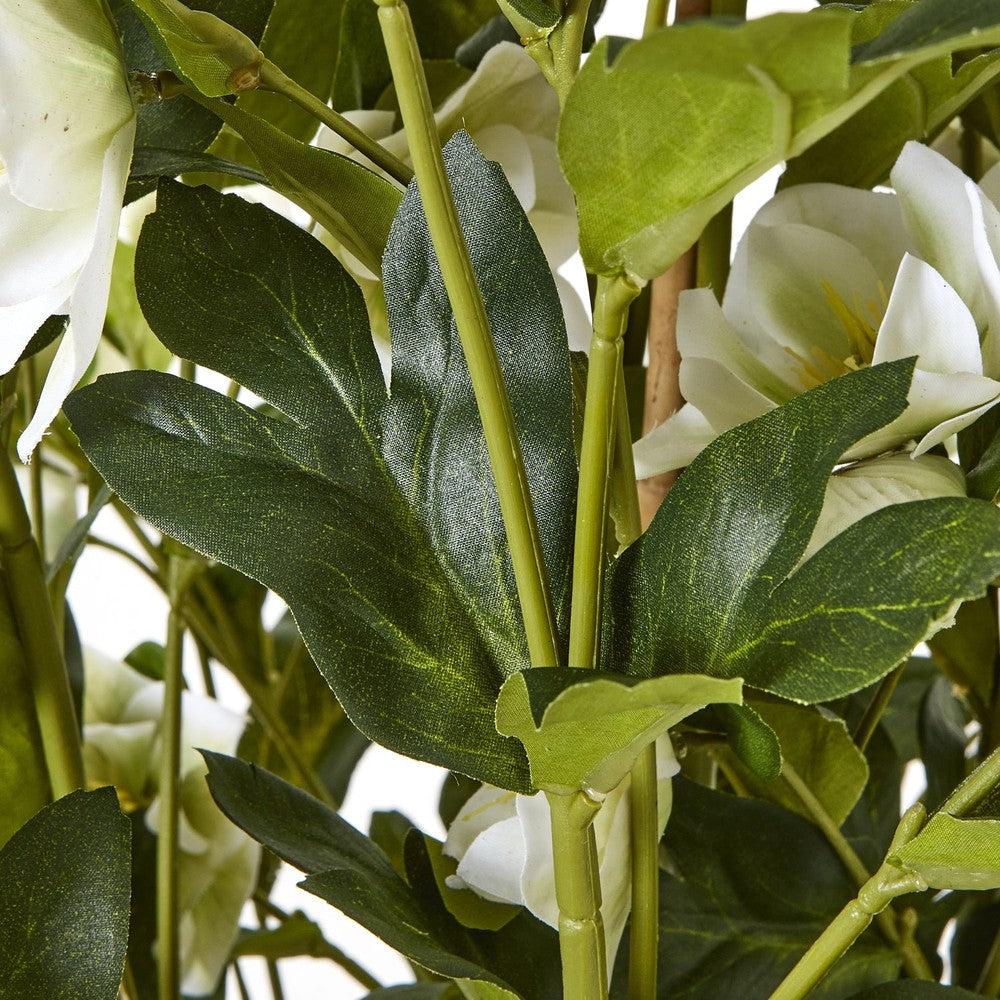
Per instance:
{"type": "Point", "coordinates": [494, 862]}
{"type": "Point", "coordinates": [789, 272]}
{"type": "Point", "coordinates": [376, 124]}
{"type": "Point", "coordinates": [119, 754]}
{"type": "Point", "coordinates": [538, 884]}
{"type": "Point", "coordinates": [938, 216]}
{"type": "Point", "coordinates": [938, 406]}
{"type": "Point", "coordinates": [109, 687]}
{"type": "Point", "coordinates": [64, 97]}
{"type": "Point", "coordinates": [863, 489]}
{"type": "Point", "coordinates": [90, 296]}
{"type": "Point", "coordinates": [41, 249]}
{"type": "Point", "coordinates": [673, 444]}
{"type": "Point", "coordinates": [989, 184]}
{"type": "Point", "coordinates": [725, 400]}
{"type": "Point", "coordinates": [575, 315]}
{"type": "Point", "coordinates": [508, 146]}
{"type": "Point", "coordinates": [188, 839]}
{"type": "Point", "coordinates": [868, 220]}
{"type": "Point", "coordinates": [18, 324]}
{"type": "Point", "coordinates": [926, 319]}
{"type": "Point", "coordinates": [986, 246]}
{"type": "Point", "coordinates": [486, 806]}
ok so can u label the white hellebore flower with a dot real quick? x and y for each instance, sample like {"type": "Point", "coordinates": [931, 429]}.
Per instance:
{"type": "Point", "coordinates": [503, 844]}
{"type": "Point", "coordinates": [218, 862]}
{"type": "Point", "coordinates": [67, 126]}
{"type": "Point", "coordinates": [512, 114]}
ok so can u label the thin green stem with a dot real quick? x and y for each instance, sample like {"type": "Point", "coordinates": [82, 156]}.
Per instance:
{"type": "Point", "coordinates": [35, 468]}
{"type": "Point", "coordinates": [623, 469]}
{"type": "Point", "coordinates": [272, 78]}
{"type": "Point", "coordinates": [578, 893]}
{"type": "Point", "coordinates": [43, 655]}
{"type": "Point", "coordinates": [656, 16]}
{"type": "Point", "coordinates": [989, 981]}
{"type": "Point", "coordinates": [914, 960]}
{"type": "Point", "coordinates": [600, 416]}
{"type": "Point", "coordinates": [167, 867]}
{"type": "Point", "coordinates": [240, 982]}
{"type": "Point", "coordinates": [644, 936]}
{"type": "Point", "coordinates": [474, 330]}
{"type": "Point", "coordinates": [879, 703]}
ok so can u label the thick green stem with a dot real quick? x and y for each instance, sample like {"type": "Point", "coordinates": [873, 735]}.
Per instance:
{"type": "Point", "coordinates": [656, 16]}
{"type": "Point", "coordinates": [167, 867]}
{"type": "Point", "coordinates": [645, 933]}
{"type": "Point", "coordinates": [29, 595]}
{"type": "Point", "coordinates": [600, 416]}
{"type": "Point", "coordinates": [578, 893]}
{"type": "Point", "coordinates": [274, 79]}
{"type": "Point", "coordinates": [566, 45]}
{"type": "Point", "coordinates": [473, 329]}
{"type": "Point", "coordinates": [914, 960]}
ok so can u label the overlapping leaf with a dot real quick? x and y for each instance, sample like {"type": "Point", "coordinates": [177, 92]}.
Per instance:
{"type": "Point", "coordinates": [690, 115]}
{"type": "Point", "coordinates": [64, 901]}
{"type": "Point", "coordinates": [375, 517]}
{"type": "Point", "coordinates": [349, 871]}
{"type": "Point", "coordinates": [712, 586]}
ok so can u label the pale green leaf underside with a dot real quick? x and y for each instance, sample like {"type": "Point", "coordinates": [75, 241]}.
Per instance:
{"type": "Point", "coordinates": [952, 853]}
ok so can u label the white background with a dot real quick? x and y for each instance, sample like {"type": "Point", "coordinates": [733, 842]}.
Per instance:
{"type": "Point", "coordinates": [116, 607]}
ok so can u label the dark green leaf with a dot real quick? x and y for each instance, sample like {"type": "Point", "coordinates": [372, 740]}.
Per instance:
{"type": "Point", "coordinates": [72, 545]}
{"type": "Point", "coordinates": [153, 162]}
{"type": "Point", "coordinates": [975, 931]}
{"type": "Point", "coordinates": [913, 991]}
{"type": "Point", "coordinates": [967, 652]}
{"type": "Point", "coordinates": [928, 24]}
{"type": "Point", "coordinates": [421, 991]}
{"type": "Point", "coordinates": [735, 526]}
{"type": "Point", "coordinates": [46, 334]}
{"type": "Point", "coordinates": [753, 741]}
{"type": "Point", "coordinates": [455, 792]}
{"type": "Point", "coordinates": [64, 901]}
{"type": "Point", "coordinates": [942, 739]}
{"type": "Point", "coordinates": [738, 913]}
{"type": "Point", "coordinates": [498, 29]}
{"type": "Point", "coordinates": [375, 518]}
{"type": "Point", "coordinates": [983, 479]}
{"type": "Point", "coordinates": [348, 870]}
{"type": "Point", "coordinates": [538, 13]}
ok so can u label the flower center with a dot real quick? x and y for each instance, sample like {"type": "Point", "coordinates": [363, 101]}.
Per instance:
{"type": "Point", "coordinates": [861, 322]}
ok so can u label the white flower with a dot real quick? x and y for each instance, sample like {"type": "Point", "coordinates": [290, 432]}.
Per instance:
{"type": "Point", "coordinates": [218, 862]}
{"type": "Point", "coordinates": [503, 845]}
{"type": "Point", "coordinates": [828, 279]}
{"type": "Point", "coordinates": [512, 114]}
{"type": "Point", "coordinates": [67, 126]}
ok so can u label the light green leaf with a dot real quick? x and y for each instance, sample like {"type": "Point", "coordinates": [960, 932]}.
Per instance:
{"type": "Point", "coordinates": [126, 326]}
{"type": "Point", "coordinates": [202, 49]}
{"type": "Point", "coordinates": [64, 901]}
{"type": "Point", "coordinates": [690, 115]}
{"type": "Point", "coordinates": [952, 853]}
{"type": "Point", "coordinates": [734, 527]}
{"type": "Point", "coordinates": [753, 741]}
{"type": "Point", "coordinates": [820, 749]}
{"type": "Point", "coordinates": [373, 515]}
{"type": "Point", "coordinates": [351, 202]}
{"type": "Point", "coordinates": [587, 733]}
{"type": "Point", "coordinates": [916, 106]}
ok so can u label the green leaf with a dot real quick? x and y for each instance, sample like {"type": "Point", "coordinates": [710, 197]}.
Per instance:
{"type": "Point", "coordinates": [967, 651]}
{"type": "Point", "coordinates": [296, 936]}
{"type": "Point", "coordinates": [353, 203]}
{"type": "Point", "coordinates": [421, 991]}
{"type": "Point", "coordinates": [952, 853]}
{"type": "Point", "coordinates": [916, 106]}
{"type": "Point", "coordinates": [983, 480]}
{"type": "Point", "coordinates": [932, 25]}
{"type": "Point", "coordinates": [64, 901]}
{"type": "Point", "coordinates": [690, 115]}
{"type": "Point", "coordinates": [820, 749]}
{"type": "Point", "coordinates": [126, 327]}
{"type": "Point", "coordinates": [734, 528]}
{"type": "Point", "coordinates": [537, 13]}
{"type": "Point", "coordinates": [752, 740]}
{"type": "Point", "coordinates": [362, 72]}
{"type": "Point", "coordinates": [153, 162]}
{"type": "Point", "coordinates": [942, 741]}
{"type": "Point", "coordinates": [909, 990]}
{"type": "Point", "coordinates": [349, 871]}
{"type": "Point", "coordinates": [374, 517]}
{"type": "Point", "coordinates": [752, 886]}
{"type": "Point", "coordinates": [587, 734]}
{"type": "Point", "coordinates": [203, 49]}
{"type": "Point", "coordinates": [24, 780]}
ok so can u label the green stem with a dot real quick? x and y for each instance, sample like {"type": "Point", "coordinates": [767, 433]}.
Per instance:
{"type": "Point", "coordinates": [989, 981]}
{"type": "Point", "coordinates": [566, 46]}
{"type": "Point", "coordinates": [43, 656]}
{"type": "Point", "coordinates": [656, 16]}
{"type": "Point", "coordinates": [240, 982]}
{"type": "Point", "coordinates": [975, 787]}
{"type": "Point", "coordinates": [167, 869]}
{"type": "Point", "coordinates": [35, 468]}
{"type": "Point", "coordinates": [272, 78]}
{"type": "Point", "coordinates": [601, 413]}
{"type": "Point", "coordinates": [879, 703]}
{"type": "Point", "coordinates": [914, 960]}
{"type": "Point", "coordinates": [623, 469]}
{"type": "Point", "coordinates": [473, 329]}
{"type": "Point", "coordinates": [578, 893]}
{"type": "Point", "coordinates": [644, 936]}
